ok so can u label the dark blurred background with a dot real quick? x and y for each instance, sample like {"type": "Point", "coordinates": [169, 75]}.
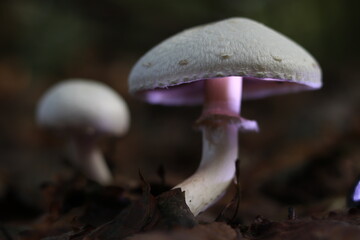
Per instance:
{"type": "Point", "coordinates": [307, 153]}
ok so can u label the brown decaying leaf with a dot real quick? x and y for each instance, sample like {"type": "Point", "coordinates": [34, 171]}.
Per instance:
{"type": "Point", "coordinates": [148, 213]}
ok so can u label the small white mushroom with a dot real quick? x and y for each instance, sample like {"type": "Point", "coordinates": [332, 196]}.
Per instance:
{"type": "Point", "coordinates": [218, 65]}
{"type": "Point", "coordinates": [85, 110]}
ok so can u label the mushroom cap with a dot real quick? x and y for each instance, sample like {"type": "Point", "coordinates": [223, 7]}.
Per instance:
{"type": "Point", "coordinates": [84, 106]}
{"type": "Point", "coordinates": [269, 62]}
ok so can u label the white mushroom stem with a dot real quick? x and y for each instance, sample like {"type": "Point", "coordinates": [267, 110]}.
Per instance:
{"type": "Point", "coordinates": [219, 124]}
{"type": "Point", "coordinates": [87, 156]}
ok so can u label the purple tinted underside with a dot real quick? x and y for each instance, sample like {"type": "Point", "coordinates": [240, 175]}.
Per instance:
{"type": "Point", "coordinates": [192, 93]}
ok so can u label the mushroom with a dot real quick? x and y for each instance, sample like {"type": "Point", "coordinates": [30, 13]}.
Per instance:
{"type": "Point", "coordinates": [218, 65]}
{"type": "Point", "coordinates": [85, 110]}
{"type": "Point", "coordinates": [353, 199]}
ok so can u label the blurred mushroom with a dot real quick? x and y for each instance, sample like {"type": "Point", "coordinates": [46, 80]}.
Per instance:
{"type": "Point", "coordinates": [85, 110]}
{"type": "Point", "coordinates": [219, 64]}
{"type": "Point", "coordinates": [353, 199]}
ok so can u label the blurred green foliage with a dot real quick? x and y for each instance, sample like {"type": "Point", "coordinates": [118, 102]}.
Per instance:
{"type": "Point", "coordinates": [50, 35]}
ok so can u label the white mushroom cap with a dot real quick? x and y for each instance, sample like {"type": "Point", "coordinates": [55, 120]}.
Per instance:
{"type": "Point", "coordinates": [85, 105]}
{"type": "Point", "coordinates": [232, 47]}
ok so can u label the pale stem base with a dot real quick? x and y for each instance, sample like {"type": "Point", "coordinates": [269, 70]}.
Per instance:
{"type": "Point", "coordinates": [87, 156]}
{"type": "Point", "coordinates": [216, 170]}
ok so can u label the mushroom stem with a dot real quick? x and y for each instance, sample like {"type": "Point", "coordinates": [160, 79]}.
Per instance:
{"type": "Point", "coordinates": [219, 124]}
{"type": "Point", "coordinates": [223, 96]}
{"type": "Point", "coordinates": [88, 157]}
